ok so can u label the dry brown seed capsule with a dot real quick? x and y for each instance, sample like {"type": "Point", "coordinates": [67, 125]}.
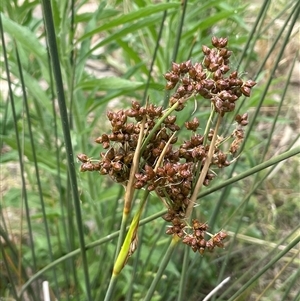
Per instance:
{"type": "Point", "coordinates": [224, 69]}
{"type": "Point", "coordinates": [110, 154]}
{"type": "Point", "coordinates": [187, 239]}
{"type": "Point", "coordinates": [83, 158]}
{"type": "Point", "coordinates": [222, 84]}
{"type": "Point", "coordinates": [174, 140]}
{"type": "Point", "coordinates": [223, 52]}
{"type": "Point", "coordinates": [174, 78]}
{"type": "Point", "coordinates": [181, 91]}
{"type": "Point", "coordinates": [210, 134]}
{"type": "Point", "coordinates": [222, 235]}
{"type": "Point", "coordinates": [198, 87]}
{"type": "Point", "coordinates": [170, 120]}
{"type": "Point", "coordinates": [110, 115]}
{"type": "Point", "coordinates": [180, 234]}
{"type": "Point", "coordinates": [246, 91]}
{"type": "Point", "coordinates": [208, 84]}
{"type": "Point", "coordinates": [168, 217]}
{"type": "Point", "coordinates": [213, 67]}
{"type": "Point", "coordinates": [215, 41]}
{"type": "Point", "coordinates": [188, 64]}
{"type": "Point", "coordinates": [128, 158]}
{"type": "Point", "coordinates": [233, 74]}
{"type": "Point", "coordinates": [245, 116]}
{"type": "Point", "coordinates": [170, 231]}
{"type": "Point", "coordinates": [102, 138]}
{"type": "Point", "coordinates": [223, 42]}
{"type": "Point", "coordinates": [170, 85]}
{"type": "Point", "coordinates": [167, 76]}
{"type": "Point", "coordinates": [192, 73]}
{"type": "Point", "coordinates": [238, 82]}
{"type": "Point", "coordinates": [135, 105]}
{"type": "Point", "coordinates": [218, 104]}
{"type": "Point", "coordinates": [217, 75]}
{"type": "Point", "coordinates": [149, 172]}
{"type": "Point", "coordinates": [105, 145]}
{"type": "Point", "coordinates": [210, 245]}
{"type": "Point", "coordinates": [244, 122]}
{"type": "Point", "coordinates": [88, 166]}
{"type": "Point", "coordinates": [205, 50]}
{"type": "Point", "coordinates": [198, 233]}
{"type": "Point", "coordinates": [220, 61]}
{"type": "Point", "coordinates": [156, 152]}
{"type": "Point", "coordinates": [139, 185]}
{"type": "Point", "coordinates": [217, 241]}
{"type": "Point", "coordinates": [206, 61]}
{"type": "Point", "coordinates": [238, 118]}
{"type": "Point", "coordinates": [232, 98]}
{"type": "Point", "coordinates": [175, 68]}
{"type": "Point", "coordinates": [228, 55]}
{"type": "Point", "coordinates": [117, 166]}
{"type": "Point", "coordinates": [183, 67]}
{"type": "Point", "coordinates": [131, 113]}
{"type": "Point", "coordinates": [186, 81]}
{"type": "Point", "coordinates": [250, 83]}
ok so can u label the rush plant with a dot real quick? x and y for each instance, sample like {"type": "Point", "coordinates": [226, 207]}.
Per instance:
{"type": "Point", "coordinates": [144, 149]}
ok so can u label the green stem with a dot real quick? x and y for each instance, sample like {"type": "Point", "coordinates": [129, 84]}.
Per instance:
{"type": "Point", "coordinates": [157, 125]}
{"type": "Point", "coordinates": [265, 268]}
{"type": "Point", "coordinates": [184, 274]}
{"type": "Point", "coordinates": [162, 267]}
{"type": "Point", "coordinates": [127, 248]}
{"type": "Point", "coordinates": [51, 39]}
{"type": "Point", "coordinates": [293, 152]}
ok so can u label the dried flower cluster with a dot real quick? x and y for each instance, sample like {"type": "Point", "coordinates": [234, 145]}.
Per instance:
{"type": "Point", "coordinates": [174, 178]}
{"type": "Point", "coordinates": [208, 79]}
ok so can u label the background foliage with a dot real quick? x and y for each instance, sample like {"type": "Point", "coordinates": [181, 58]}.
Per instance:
{"type": "Point", "coordinates": [110, 53]}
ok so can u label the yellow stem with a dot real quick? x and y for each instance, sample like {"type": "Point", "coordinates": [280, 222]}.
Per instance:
{"type": "Point", "coordinates": [135, 163]}
{"type": "Point", "coordinates": [204, 170]}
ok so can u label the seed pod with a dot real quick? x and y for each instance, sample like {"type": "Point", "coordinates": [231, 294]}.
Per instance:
{"type": "Point", "coordinates": [175, 68]}
{"type": "Point", "coordinates": [167, 76]}
{"type": "Point", "coordinates": [83, 158]}
{"type": "Point", "coordinates": [170, 85]}
{"type": "Point", "coordinates": [215, 41]}
{"type": "Point", "coordinates": [174, 78]}
{"type": "Point", "coordinates": [246, 91]}
{"type": "Point", "coordinates": [205, 50]}
{"type": "Point", "coordinates": [223, 42]}
{"type": "Point", "coordinates": [192, 73]}
{"type": "Point", "coordinates": [250, 83]}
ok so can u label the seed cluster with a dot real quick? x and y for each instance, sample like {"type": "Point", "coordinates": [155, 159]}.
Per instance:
{"type": "Point", "coordinates": [208, 79]}
{"type": "Point", "coordinates": [173, 178]}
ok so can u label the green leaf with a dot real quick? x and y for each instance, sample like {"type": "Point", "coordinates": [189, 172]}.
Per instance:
{"type": "Point", "coordinates": [131, 17]}
{"type": "Point", "coordinates": [110, 83]}
{"type": "Point", "coordinates": [24, 36]}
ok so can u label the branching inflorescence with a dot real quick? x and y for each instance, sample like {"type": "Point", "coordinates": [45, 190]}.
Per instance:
{"type": "Point", "coordinates": [169, 169]}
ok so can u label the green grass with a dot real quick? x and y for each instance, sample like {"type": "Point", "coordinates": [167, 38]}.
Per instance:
{"type": "Point", "coordinates": [61, 225]}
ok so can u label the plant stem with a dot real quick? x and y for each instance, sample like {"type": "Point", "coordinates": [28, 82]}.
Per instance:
{"type": "Point", "coordinates": [51, 39]}
{"type": "Point", "coordinates": [204, 170]}
{"type": "Point", "coordinates": [127, 248]}
{"type": "Point", "coordinates": [162, 267]}
{"type": "Point", "coordinates": [265, 268]}
{"type": "Point", "coordinates": [130, 187]}
{"type": "Point", "coordinates": [184, 274]}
